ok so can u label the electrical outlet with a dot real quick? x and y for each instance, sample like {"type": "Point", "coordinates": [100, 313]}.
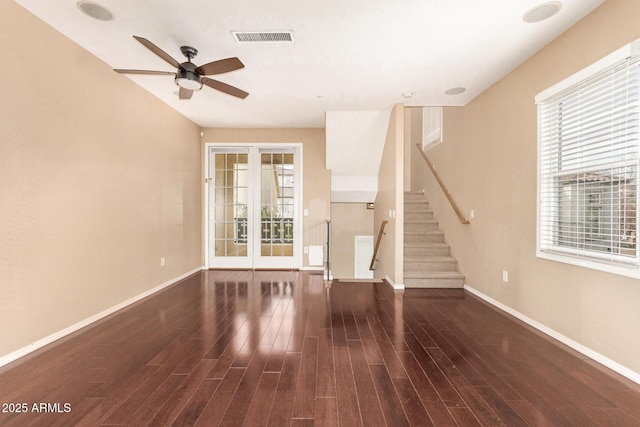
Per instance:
{"type": "Point", "coordinates": [161, 261]}
{"type": "Point", "coordinates": [306, 249]}
{"type": "Point", "coordinates": [472, 214]}
{"type": "Point", "coordinates": [505, 276]}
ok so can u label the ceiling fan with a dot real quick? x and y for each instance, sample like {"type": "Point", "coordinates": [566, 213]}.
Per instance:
{"type": "Point", "coordinates": [189, 76]}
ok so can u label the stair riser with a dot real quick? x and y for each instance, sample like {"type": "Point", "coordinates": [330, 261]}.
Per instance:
{"type": "Point", "coordinates": [417, 227]}
{"type": "Point", "coordinates": [425, 238]}
{"type": "Point", "coordinates": [416, 207]}
{"type": "Point", "coordinates": [418, 215]}
{"type": "Point", "coordinates": [426, 252]}
{"type": "Point", "coordinates": [434, 283]}
{"type": "Point", "coordinates": [416, 203]}
{"type": "Point", "coordinates": [430, 266]}
{"type": "Point", "coordinates": [414, 196]}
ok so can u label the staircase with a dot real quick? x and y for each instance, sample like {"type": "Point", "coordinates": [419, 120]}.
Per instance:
{"type": "Point", "coordinates": [427, 263]}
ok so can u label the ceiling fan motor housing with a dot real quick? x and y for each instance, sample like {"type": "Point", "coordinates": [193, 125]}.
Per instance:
{"type": "Point", "coordinates": [187, 77]}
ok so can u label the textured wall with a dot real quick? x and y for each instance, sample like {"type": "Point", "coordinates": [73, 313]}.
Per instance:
{"type": "Point", "coordinates": [98, 180]}
{"type": "Point", "coordinates": [347, 221]}
{"type": "Point", "coordinates": [488, 162]}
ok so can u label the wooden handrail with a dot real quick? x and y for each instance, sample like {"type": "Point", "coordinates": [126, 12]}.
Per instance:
{"type": "Point", "coordinates": [461, 217]}
{"type": "Point", "coordinates": [375, 251]}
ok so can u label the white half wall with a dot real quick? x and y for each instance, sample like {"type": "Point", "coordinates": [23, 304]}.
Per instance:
{"type": "Point", "coordinates": [355, 140]}
{"type": "Point", "coordinates": [353, 189]}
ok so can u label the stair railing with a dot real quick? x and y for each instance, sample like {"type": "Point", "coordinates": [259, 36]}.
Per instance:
{"type": "Point", "coordinates": [461, 217]}
{"type": "Point", "coordinates": [375, 250]}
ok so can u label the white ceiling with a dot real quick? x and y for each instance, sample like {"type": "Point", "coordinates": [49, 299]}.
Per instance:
{"type": "Point", "coordinates": [348, 55]}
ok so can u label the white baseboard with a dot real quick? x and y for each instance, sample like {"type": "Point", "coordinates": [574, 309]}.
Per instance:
{"type": "Point", "coordinates": [8, 358]}
{"type": "Point", "coordinates": [603, 360]}
{"type": "Point", "coordinates": [395, 286]}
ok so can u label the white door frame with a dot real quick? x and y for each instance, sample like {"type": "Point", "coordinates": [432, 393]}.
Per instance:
{"type": "Point", "coordinates": [294, 262]}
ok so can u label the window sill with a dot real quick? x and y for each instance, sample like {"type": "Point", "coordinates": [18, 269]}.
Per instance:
{"type": "Point", "coordinates": [619, 269]}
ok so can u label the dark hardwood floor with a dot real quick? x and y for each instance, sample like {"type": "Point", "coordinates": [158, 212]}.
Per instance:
{"type": "Point", "coordinates": [282, 349]}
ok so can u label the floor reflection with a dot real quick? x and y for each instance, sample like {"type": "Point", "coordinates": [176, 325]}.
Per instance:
{"type": "Point", "coordinates": [269, 348]}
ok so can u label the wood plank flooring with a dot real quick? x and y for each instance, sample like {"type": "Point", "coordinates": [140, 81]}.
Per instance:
{"type": "Point", "coordinates": [233, 348]}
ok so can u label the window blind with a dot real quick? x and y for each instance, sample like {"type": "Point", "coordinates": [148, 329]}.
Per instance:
{"type": "Point", "coordinates": [589, 151]}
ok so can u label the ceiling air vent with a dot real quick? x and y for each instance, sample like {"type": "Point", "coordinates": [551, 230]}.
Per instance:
{"type": "Point", "coordinates": [263, 36]}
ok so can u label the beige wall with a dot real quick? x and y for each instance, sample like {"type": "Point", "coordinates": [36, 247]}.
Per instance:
{"type": "Point", "coordinates": [391, 197]}
{"type": "Point", "coordinates": [316, 178]}
{"type": "Point", "coordinates": [420, 176]}
{"type": "Point", "coordinates": [488, 161]}
{"type": "Point", "coordinates": [414, 176]}
{"type": "Point", "coordinates": [98, 180]}
{"type": "Point", "coordinates": [348, 220]}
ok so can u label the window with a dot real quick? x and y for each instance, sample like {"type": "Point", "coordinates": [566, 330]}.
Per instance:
{"type": "Point", "coordinates": [588, 158]}
{"type": "Point", "coordinates": [431, 127]}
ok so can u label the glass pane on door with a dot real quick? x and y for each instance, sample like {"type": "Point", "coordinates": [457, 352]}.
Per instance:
{"type": "Point", "coordinates": [277, 204]}
{"type": "Point", "coordinates": [228, 198]}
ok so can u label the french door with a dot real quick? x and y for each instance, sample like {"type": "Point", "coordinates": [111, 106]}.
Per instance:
{"type": "Point", "coordinates": [253, 206]}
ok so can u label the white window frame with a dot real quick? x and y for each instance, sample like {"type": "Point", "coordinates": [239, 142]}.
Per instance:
{"type": "Point", "coordinates": [431, 127]}
{"type": "Point", "coordinates": [588, 259]}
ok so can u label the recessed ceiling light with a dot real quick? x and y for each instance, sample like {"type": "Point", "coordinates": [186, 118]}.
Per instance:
{"type": "Point", "coordinates": [455, 91]}
{"type": "Point", "coordinates": [95, 10]}
{"type": "Point", "coordinates": [542, 11]}
{"type": "Point", "coordinates": [408, 95]}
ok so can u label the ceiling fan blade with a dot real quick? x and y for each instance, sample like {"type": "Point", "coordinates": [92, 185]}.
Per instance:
{"type": "Point", "coordinates": [163, 73]}
{"type": "Point", "coordinates": [155, 49]}
{"type": "Point", "coordinates": [223, 87]}
{"type": "Point", "coordinates": [185, 93]}
{"type": "Point", "coordinates": [219, 67]}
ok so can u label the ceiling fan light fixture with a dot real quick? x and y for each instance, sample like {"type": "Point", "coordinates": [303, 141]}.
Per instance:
{"type": "Point", "coordinates": [188, 80]}
{"type": "Point", "coordinates": [188, 83]}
